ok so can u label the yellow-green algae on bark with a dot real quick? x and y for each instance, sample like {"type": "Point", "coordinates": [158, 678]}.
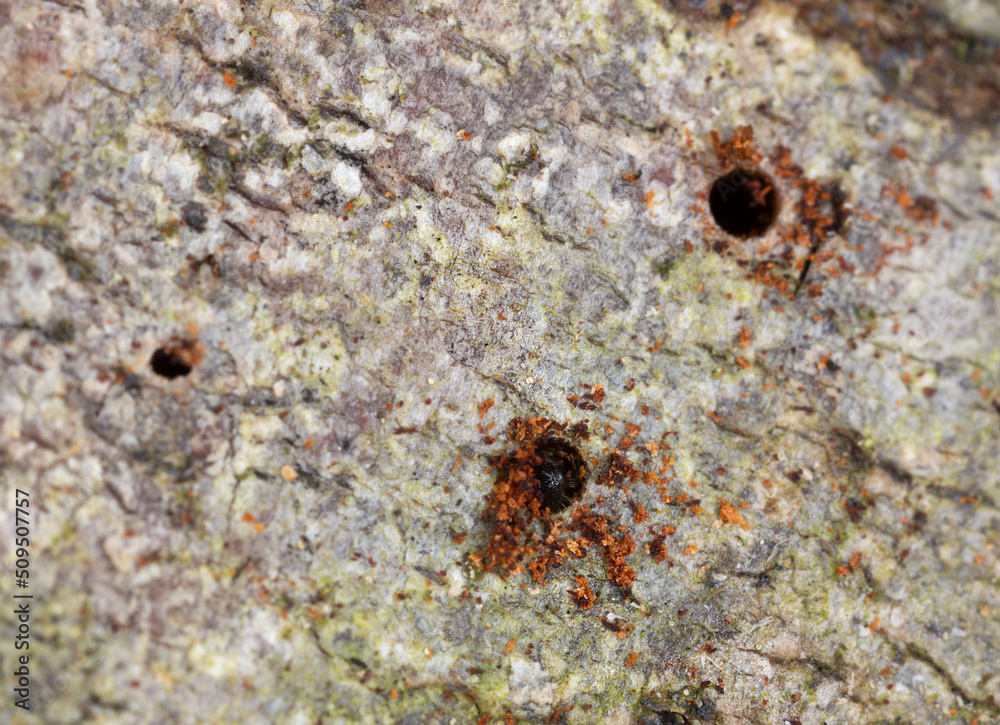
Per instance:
{"type": "Point", "coordinates": [412, 208]}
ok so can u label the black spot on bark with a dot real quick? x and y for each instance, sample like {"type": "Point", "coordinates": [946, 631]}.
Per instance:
{"type": "Point", "coordinates": [194, 216]}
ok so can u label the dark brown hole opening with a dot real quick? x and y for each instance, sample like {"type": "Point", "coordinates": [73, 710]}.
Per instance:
{"type": "Point", "coordinates": [168, 364]}
{"type": "Point", "coordinates": [744, 202]}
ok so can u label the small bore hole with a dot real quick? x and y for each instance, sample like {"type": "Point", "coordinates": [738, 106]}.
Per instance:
{"type": "Point", "coordinates": [168, 364]}
{"type": "Point", "coordinates": [743, 202]}
{"type": "Point", "coordinates": [560, 471]}
{"type": "Point", "coordinates": [195, 216]}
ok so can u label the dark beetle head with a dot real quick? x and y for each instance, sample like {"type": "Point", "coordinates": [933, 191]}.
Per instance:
{"type": "Point", "coordinates": [560, 471]}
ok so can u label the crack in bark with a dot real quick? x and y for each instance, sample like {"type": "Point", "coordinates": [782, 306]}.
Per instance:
{"type": "Point", "coordinates": [497, 380]}
{"type": "Point", "coordinates": [656, 130]}
{"type": "Point", "coordinates": [463, 43]}
{"type": "Point", "coordinates": [258, 199]}
{"type": "Point", "coordinates": [546, 230]}
{"type": "Point", "coordinates": [722, 424]}
{"type": "Point", "coordinates": [239, 230]}
{"type": "Point", "coordinates": [820, 667]}
{"type": "Point", "coordinates": [904, 477]}
{"type": "Point", "coordinates": [331, 111]}
{"type": "Point", "coordinates": [258, 76]}
{"type": "Point", "coordinates": [919, 653]}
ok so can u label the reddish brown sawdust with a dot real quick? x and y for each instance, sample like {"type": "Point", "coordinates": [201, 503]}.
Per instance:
{"type": "Point", "coordinates": [595, 529]}
{"type": "Point", "coordinates": [640, 514]}
{"type": "Point", "coordinates": [898, 192]}
{"type": "Point", "coordinates": [924, 210]}
{"type": "Point", "coordinates": [485, 407]}
{"type": "Point", "coordinates": [189, 352]}
{"type": "Point", "coordinates": [515, 505]}
{"type": "Point", "coordinates": [523, 538]}
{"type": "Point", "coordinates": [583, 595]}
{"type": "Point", "coordinates": [731, 515]}
{"type": "Point", "coordinates": [658, 548]}
{"type": "Point", "coordinates": [739, 149]}
{"type": "Point", "coordinates": [621, 627]}
{"type": "Point", "coordinates": [819, 211]}
{"type": "Point", "coordinates": [590, 400]}
{"type": "Point", "coordinates": [559, 712]}
{"type": "Point", "coordinates": [619, 470]}
{"type": "Point", "coordinates": [813, 222]}
{"type": "Point", "coordinates": [515, 502]}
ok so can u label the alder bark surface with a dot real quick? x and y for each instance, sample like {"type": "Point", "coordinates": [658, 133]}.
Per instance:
{"type": "Point", "coordinates": [275, 277]}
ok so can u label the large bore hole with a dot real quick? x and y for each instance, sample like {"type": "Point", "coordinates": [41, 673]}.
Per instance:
{"type": "Point", "coordinates": [560, 470]}
{"type": "Point", "coordinates": [743, 202]}
{"type": "Point", "coordinates": [167, 363]}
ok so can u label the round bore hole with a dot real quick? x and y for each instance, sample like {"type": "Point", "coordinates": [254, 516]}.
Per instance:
{"type": "Point", "coordinates": [743, 202]}
{"type": "Point", "coordinates": [167, 363]}
{"type": "Point", "coordinates": [560, 471]}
